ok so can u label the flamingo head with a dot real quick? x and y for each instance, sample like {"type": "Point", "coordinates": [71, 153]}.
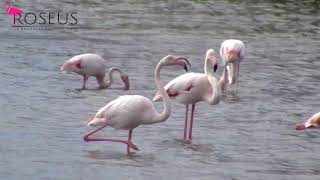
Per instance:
{"type": "Point", "coordinates": [312, 122]}
{"type": "Point", "coordinates": [175, 60]}
{"type": "Point", "coordinates": [211, 55]}
{"type": "Point", "coordinates": [125, 79]}
{"type": "Point", "coordinates": [71, 66]}
{"type": "Point", "coordinates": [7, 4]}
{"type": "Point", "coordinates": [233, 56]}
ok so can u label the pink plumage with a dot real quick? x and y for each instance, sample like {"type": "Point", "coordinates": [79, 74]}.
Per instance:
{"type": "Point", "coordinates": [191, 88]}
{"type": "Point", "coordinates": [88, 65]}
{"type": "Point", "coordinates": [129, 111]}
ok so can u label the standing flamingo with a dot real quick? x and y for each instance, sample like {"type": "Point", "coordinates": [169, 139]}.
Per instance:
{"type": "Point", "coordinates": [232, 52]}
{"type": "Point", "coordinates": [12, 11]}
{"type": "Point", "coordinates": [93, 65]}
{"type": "Point", "coordinates": [191, 88]}
{"type": "Point", "coordinates": [129, 111]}
{"type": "Point", "coordinates": [312, 122]}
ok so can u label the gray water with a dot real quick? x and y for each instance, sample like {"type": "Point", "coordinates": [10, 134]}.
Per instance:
{"type": "Point", "coordinates": [250, 137]}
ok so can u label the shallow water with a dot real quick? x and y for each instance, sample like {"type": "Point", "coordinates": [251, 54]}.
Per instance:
{"type": "Point", "coordinates": [251, 137]}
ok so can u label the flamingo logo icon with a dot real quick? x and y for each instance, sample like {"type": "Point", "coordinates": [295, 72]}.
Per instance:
{"type": "Point", "coordinates": [12, 11]}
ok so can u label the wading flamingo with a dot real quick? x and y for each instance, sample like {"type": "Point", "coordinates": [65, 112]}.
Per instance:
{"type": "Point", "coordinates": [12, 11]}
{"type": "Point", "coordinates": [129, 111]}
{"type": "Point", "coordinates": [232, 52]}
{"type": "Point", "coordinates": [191, 88]}
{"type": "Point", "coordinates": [312, 122]}
{"type": "Point", "coordinates": [93, 65]}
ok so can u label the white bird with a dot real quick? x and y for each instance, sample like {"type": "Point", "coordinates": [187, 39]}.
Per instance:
{"type": "Point", "coordinates": [232, 52]}
{"type": "Point", "coordinates": [313, 121]}
{"type": "Point", "coordinates": [191, 88]}
{"type": "Point", "coordinates": [93, 65]}
{"type": "Point", "coordinates": [129, 111]}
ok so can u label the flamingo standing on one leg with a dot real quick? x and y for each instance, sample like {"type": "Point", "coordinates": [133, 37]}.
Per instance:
{"type": "Point", "coordinates": [93, 65]}
{"type": "Point", "coordinates": [312, 122]}
{"type": "Point", "coordinates": [129, 111]}
{"type": "Point", "coordinates": [12, 10]}
{"type": "Point", "coordinates": [191, 88]}
{"type": "Point", "coordinates": [232, 52]}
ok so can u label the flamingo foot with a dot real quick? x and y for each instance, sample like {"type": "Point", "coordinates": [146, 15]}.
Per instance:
{"type": "Point", "coordinates": [131, 145]}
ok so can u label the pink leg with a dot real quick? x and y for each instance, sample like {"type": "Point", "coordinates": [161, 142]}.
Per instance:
{"type": "Point", "coordinates": [186, 122]}
{"type": "Point", "coordinates": [238, 74]}
{"type": "Point", "coordinates": [87, 138]}
{"type": "Point", "coordinates": [191, 122]}
{"type": "Point", "coordinates": [225, 79]}
{"type": "Point", "coordinates": [129, 140]}
{"type": "Point", "coordinates": [85, 79]}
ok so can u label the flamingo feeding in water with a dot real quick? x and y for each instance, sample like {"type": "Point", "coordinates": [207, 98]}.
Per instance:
{"type": "Point", "coordinates": [232, 52]}
{"type": "Point", "coordinates": [312, 122]}
{"type": "Point", "coordinates": [191, 88]}
{"type": "Point", "coordinates": [93, 65]}
{"type": "Point", "coordinates": [12, 11]}
{"type": "Point", "coordinates": [129, 111]}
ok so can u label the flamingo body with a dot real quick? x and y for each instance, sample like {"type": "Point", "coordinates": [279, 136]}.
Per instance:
{"type": "Point", "coordinates": [125, 112]}
{"type": "Point", "coordinates": [188, 88]}
{"type": "Point", "coordinates": [88, 65]}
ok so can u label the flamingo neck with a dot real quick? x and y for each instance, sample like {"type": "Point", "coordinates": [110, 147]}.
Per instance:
{"type": "Point", "coordinates": [217, 86]}
{"type": "Point", "coordinates": [166, 100]}
{"type": "Point", "coordinates": [7, 8]}
{"type": "Point", "coordinates": [107, 83]}
{"type": "Point", "coordinates": [206, 66]}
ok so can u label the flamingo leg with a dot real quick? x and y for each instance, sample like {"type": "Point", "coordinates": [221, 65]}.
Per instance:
{"type": "Point", "coordinates": [87, 138]}
{"type": "Point", "coordinates": [191, 122]}
{"type": "Point", "coordinates": [225, 79]}
{"type": "Point", "coordinates": [238, 75]}
{"type": "Point", "coordinates": [186, 122]}
{"type": "Point", "coordinates": [129, 140]}
{"type": "Point", "coordinates": [85, 79]}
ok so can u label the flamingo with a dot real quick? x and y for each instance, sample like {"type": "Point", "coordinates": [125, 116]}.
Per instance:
{"type": "Point", "coordinates": [191, 88]}
{"type": "Point", "coordinates": [12, 10]}
{"type": "Point", "coordinates": [93, 65]}
{"type": "Point", "coordinates": [232, 52]}
{"type": "Point", "coordinates": [312, 122]}
{"type": "Point", "coordinates": [129, 111]}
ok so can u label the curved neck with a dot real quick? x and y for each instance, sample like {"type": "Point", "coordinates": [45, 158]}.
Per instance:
{"type": "Point", "coordinates": [166, 101]}
{"type": "Point", "coordinates": [7, 7]}
{"type": "Point", "coordinates": [108, 82]}
{"type": "Point", "coordinates": [217, 86]}
{"type": "Point", "coordinates": [206, 66]}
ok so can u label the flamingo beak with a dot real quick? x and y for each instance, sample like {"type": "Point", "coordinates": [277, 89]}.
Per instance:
{"type": "Point", "coordinates": [183, 62]}
{"type": "Point", "coordinates": [125, 80]}
{"type": "Point", "coordinates": [300, 127]}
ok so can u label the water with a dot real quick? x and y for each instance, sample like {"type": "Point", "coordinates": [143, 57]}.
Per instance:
{"type": "Point", "coordinates": [253, 137]}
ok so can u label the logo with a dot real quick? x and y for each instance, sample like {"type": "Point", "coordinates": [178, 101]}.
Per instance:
{"type": "Point", "coordinates": [41, 20]}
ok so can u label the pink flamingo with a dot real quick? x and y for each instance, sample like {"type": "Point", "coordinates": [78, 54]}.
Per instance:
{"type": "Point", "coordinates": [93, 65]}
{"type": "Point", "coordinates": [232, 52]}
{"type": "Point", "coordinates": [12, 10]}
{"type": "Point", "coordinates": [312, 122]}
{"type": "Point", "coordinates": [129, 111]}
{"type": "Point", "coordinates": [191, 88]}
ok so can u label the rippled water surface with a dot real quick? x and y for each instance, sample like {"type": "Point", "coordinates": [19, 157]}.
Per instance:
{"type": "Point", "coordinates": [251, 137]}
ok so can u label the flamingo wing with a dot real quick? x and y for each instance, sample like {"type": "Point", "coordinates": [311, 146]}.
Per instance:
{"type": "Point", "coordinates": [178, 85]}
{"type": "Point", "coordinates": [125, 112]}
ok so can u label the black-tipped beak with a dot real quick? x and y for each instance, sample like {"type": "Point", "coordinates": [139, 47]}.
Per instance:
{"type": "Point", "coordinates": [215, 67]}
{"type": "Point", "coordinates": [185, 59]}
{"type": "Point", "coordinates": [186, 68]}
